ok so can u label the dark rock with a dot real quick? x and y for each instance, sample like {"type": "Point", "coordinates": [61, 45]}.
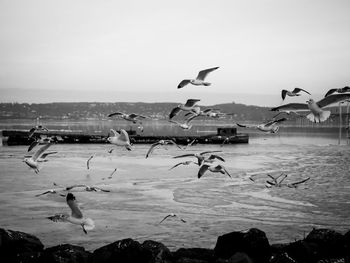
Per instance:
{"type": "Point", "coordinates": [124, 251]}
{"type": "Point", "coordinates": [18, 246]}
{"type": "Point", "coordinates": [301, 251]}
{"type": "Point", "coordinates": [198, 254]}
{"type": "Point", "coordinates": [331, 243]}
{"type": "Point", "coordinates": [159, 252]}
{"type": "Point", "coordinates": [282, 258]}
{"type": "Point", "coordinates": [253, 242]}
{"type": "Point", "coordinates": [65, 253]}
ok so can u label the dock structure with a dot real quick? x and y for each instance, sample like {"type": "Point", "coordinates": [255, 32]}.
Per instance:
{"type": "Point", "coordinates": [20, 137]}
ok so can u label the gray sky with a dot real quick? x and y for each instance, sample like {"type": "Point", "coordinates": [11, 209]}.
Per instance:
{"type": "Point", "coordinates": [68, 50]}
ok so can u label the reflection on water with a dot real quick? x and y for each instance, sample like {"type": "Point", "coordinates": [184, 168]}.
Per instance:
{"type": "Point", "coordinates": [143, 191]}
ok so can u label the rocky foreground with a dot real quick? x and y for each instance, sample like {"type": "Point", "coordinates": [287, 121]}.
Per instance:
{"type": "Point", "coordinates": [252, 246]}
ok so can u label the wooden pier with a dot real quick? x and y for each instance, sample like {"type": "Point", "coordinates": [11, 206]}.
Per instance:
{"type": "Point", "coordinates": [20, 137]}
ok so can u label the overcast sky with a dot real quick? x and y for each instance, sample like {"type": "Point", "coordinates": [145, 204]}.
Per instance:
{"type": "Point", "coordinates": [69, 50]}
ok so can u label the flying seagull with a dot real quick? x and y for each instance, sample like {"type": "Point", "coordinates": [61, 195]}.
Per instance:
{"type": "Point", "coordinates": [160, 142]}
{"type": "Point", "coordinates": [213, 167]}
{"type": "Point", "coordinates": [87, 188]}
{"type": "Point", "coordinates": [190, 105]}
{"type": "Point", "coordinates": [51, 191]}
{"type": "Point", "coordinates": [172, 215]}
{"type": "Point", "coordinates": [76, 217]}
{"type": "Point", "coordinates": [201, 156]}
{"type": "Point", "coordinates": [39, 156]}
{"type": "Point", "coordinates": [317, 113]}
{"type": "Point", "coordinates": [341, 90]}
{"type": "Point", "coordinates": [42, 140]}
{"type": "Point", "coordinates": [293, 93]}
{"type": "Point", "coordinates": [120, 139]}
{"type": "Point", "coordinates": [133, 117]}
{"type": "Point", "coordinates": [199, 81]}
{"type": "Point", "coordinates": [269, 126]}
{"type": "Point", "coordinates": [184, 126]}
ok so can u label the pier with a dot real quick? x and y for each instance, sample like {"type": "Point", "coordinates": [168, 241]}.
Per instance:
{"type": "Point", "coordinates": [20, 137]}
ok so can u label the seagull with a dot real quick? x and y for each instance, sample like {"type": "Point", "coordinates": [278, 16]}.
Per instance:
{"type": "Point", "coordinates": [184, 126]}
{"type": "Point", "coordinates": [199, 81]}
{"type": "Point", "coordinates": [269, 126]}
{"type": "Point", "coordinates": [86, 188]}
{"type": "Point", "coordinates": [317, 113]}
{"type": "Point", "coordinates": [36, 128]}
{"type": "Point", "coordinates": [51, 191]}
{"type": "Point", "coordinates": [88, 162]}
{"type": "Point", "coordinates": [41, 140]}
{"type": "Point", "coordinates": [190, 105]}
{"type": "Point", "coordinates": [172, 215]}
{"type": "Point", "coordinates": [76, 217]}
{"type": "Point", "coordinates": [341, 90]}
{"type": "Point", "coordinates": [201, 158]}
{"type": "Point", "coordinates": [213, 167]}
{"type": "Point", "coordinates": [121, 139]}
{"type": "Point", "coordinates": [293, 93]}
{"type": "Point", "coordinates": [207, 113]}
{"type": "Point", "coordinates": [133, 117]}
{"type": "Point", "coordinates": [110, 176]}
{"type": "Point", "coordinates": [39, 156]}
{"type": "Point", "coordinates": [161, 142]}
{"type": "Point", "coordinates": [183, 163]}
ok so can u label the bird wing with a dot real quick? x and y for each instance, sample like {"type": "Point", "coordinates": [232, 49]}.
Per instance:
{"type": "Point", "coordinates": [299, 182]}
{"type": "Point", "coordinates": [210, 152]}
{"type": "Point", "coordinates": [44, 193]}
{"type": "Point", "coordinates": [223, 168]}
{"type": "Point", "coordinates": [245, 126]}
{"type": "Point", "coordinates": [203, 73]}
{"type": "Point", "coordinates": [271, 122]}
{"type": "Point", "coordinates": [72, 203]}
{"type": "Point", "coordinates": [333, 99]}
{"type": "Point", "coordinates": [176, 165]}
{"type": "Point", "coordinates": [32, 145]}
{"type": "Point", "coordinates": [115, 113]}
{"type": "Point", "coordinates": [40, 151]}
{"type": "Point", "coordinates": [46, 154]}
{"type": "Point", "coordinates": [150, 150]}
{"type": "Point", "coordinates": [183, 83]}
{"type": "Point", "coordinates": [291, 107]}
{"type": "Point", "coordinates": [331, 91]}
{"type": "Point", "coordinates": [284, 93]}
{"type": "Point", "coordinates": [74, 186]}
{"type": "Point", "coordinates": [124, 135]}
{"type": "Point", "coordinates": [174, 112]}
{"type": "Point", "coordinates": [191, 102]}
{"type": "Point", "coordinates": [114, 132]}
{"type": "Point", "coordinates": [297, 90]}
{"type": "Point", "coordinates": [202, 170]}
{"type": "Point", "coordinates": [164, 218]}
{"type": "Point", "coordinates": [184, 155]}
{"type": "Point", "coordinates": [173, 143]}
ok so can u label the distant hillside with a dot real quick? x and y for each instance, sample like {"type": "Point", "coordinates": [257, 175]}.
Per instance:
{"type": "Point", "coordinates": [100, 110]}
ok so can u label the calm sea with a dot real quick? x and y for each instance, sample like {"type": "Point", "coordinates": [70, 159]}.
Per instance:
{"type": "Point", "coordinates": [143, 191]}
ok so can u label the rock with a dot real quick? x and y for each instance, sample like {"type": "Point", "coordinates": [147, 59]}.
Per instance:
{"type": "Point", "coordinates": [253, 242]}
{"type": "Point", "coordinates": [331, 243]}
{"type": "Point", "coordinates": [124, 251]}
{"type": "Point", "coordinates": [65, 253]}
{"type": "Point", "coordinates": [159, 252]}
{"type": "Point", "coordinates": [240, 257]}
{"type": "Point", "coordinates": [18, 246]}
{"type": "Point", "coordinates": [301, 251]}
{"type": "Point", "coordinates": [195, 254]}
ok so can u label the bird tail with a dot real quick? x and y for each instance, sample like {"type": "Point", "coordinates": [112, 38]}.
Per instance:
{"type": "Point", "coordinates": [324, 115]}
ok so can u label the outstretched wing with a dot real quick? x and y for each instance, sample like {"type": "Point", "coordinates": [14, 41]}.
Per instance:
{"type": "Point", "coordinates": [124, 135]}
{"type": "Point", "coordinates": [72, 203]}
{"type": "Point", "coordinates": [203, 73]}
{"type": "Point", "coordinates": [333, 99]}
{"type": "Point", "coordinates": [115, 133]}
{"type": "Point", "coordinates": [271, 122]}
{"type": "Point", "coordinates": [284, 93]}
{"type": "Point", "coordinates": [44, 193]}
{"type": "Point", "coordinates": [174, 112]}
{"type": "Point", "coordinates": [40, 151]}
{"type": "Point", "coordinates": [183, 83]}
{"type": "Point", "coordinates": [297, 90]}
{"type": "Point", "coordinates": [150, 150]}
{"type": "Point", "coordinates": [32, 145]}
{"type": "Point", "coordinates": [223, 168]}
{"type": "Point", "coordinates": [176, 165]}
{"type": "Point", "coordinates": [46, 154]}
{"type": "Point", "coordinates": [202, 170]}
{"type": "Point", "coordinates": [299, 182]}
{"type": "Point", "coordinates": [191, 102]}
{"type": "Point", "coordinates": [173, 143]}
{"type": "Point", "coordinates": [164, 218]}
{"type": "Point", "coordinates": [291, 107]}
{"type": "Point", "coordinates": [244, 126]}
{"type": "Point", "coordinates": [214, 156]}
{"type": "Point", "coordinates": [210, 152]}
{"type": "Point", "coordinates": [184, 155]}
{"type": "Point", "coordinates": [115, 113]}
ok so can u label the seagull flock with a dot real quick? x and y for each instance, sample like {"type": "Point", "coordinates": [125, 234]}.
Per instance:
{"type": "Point", "coordinates": [206, 161]}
